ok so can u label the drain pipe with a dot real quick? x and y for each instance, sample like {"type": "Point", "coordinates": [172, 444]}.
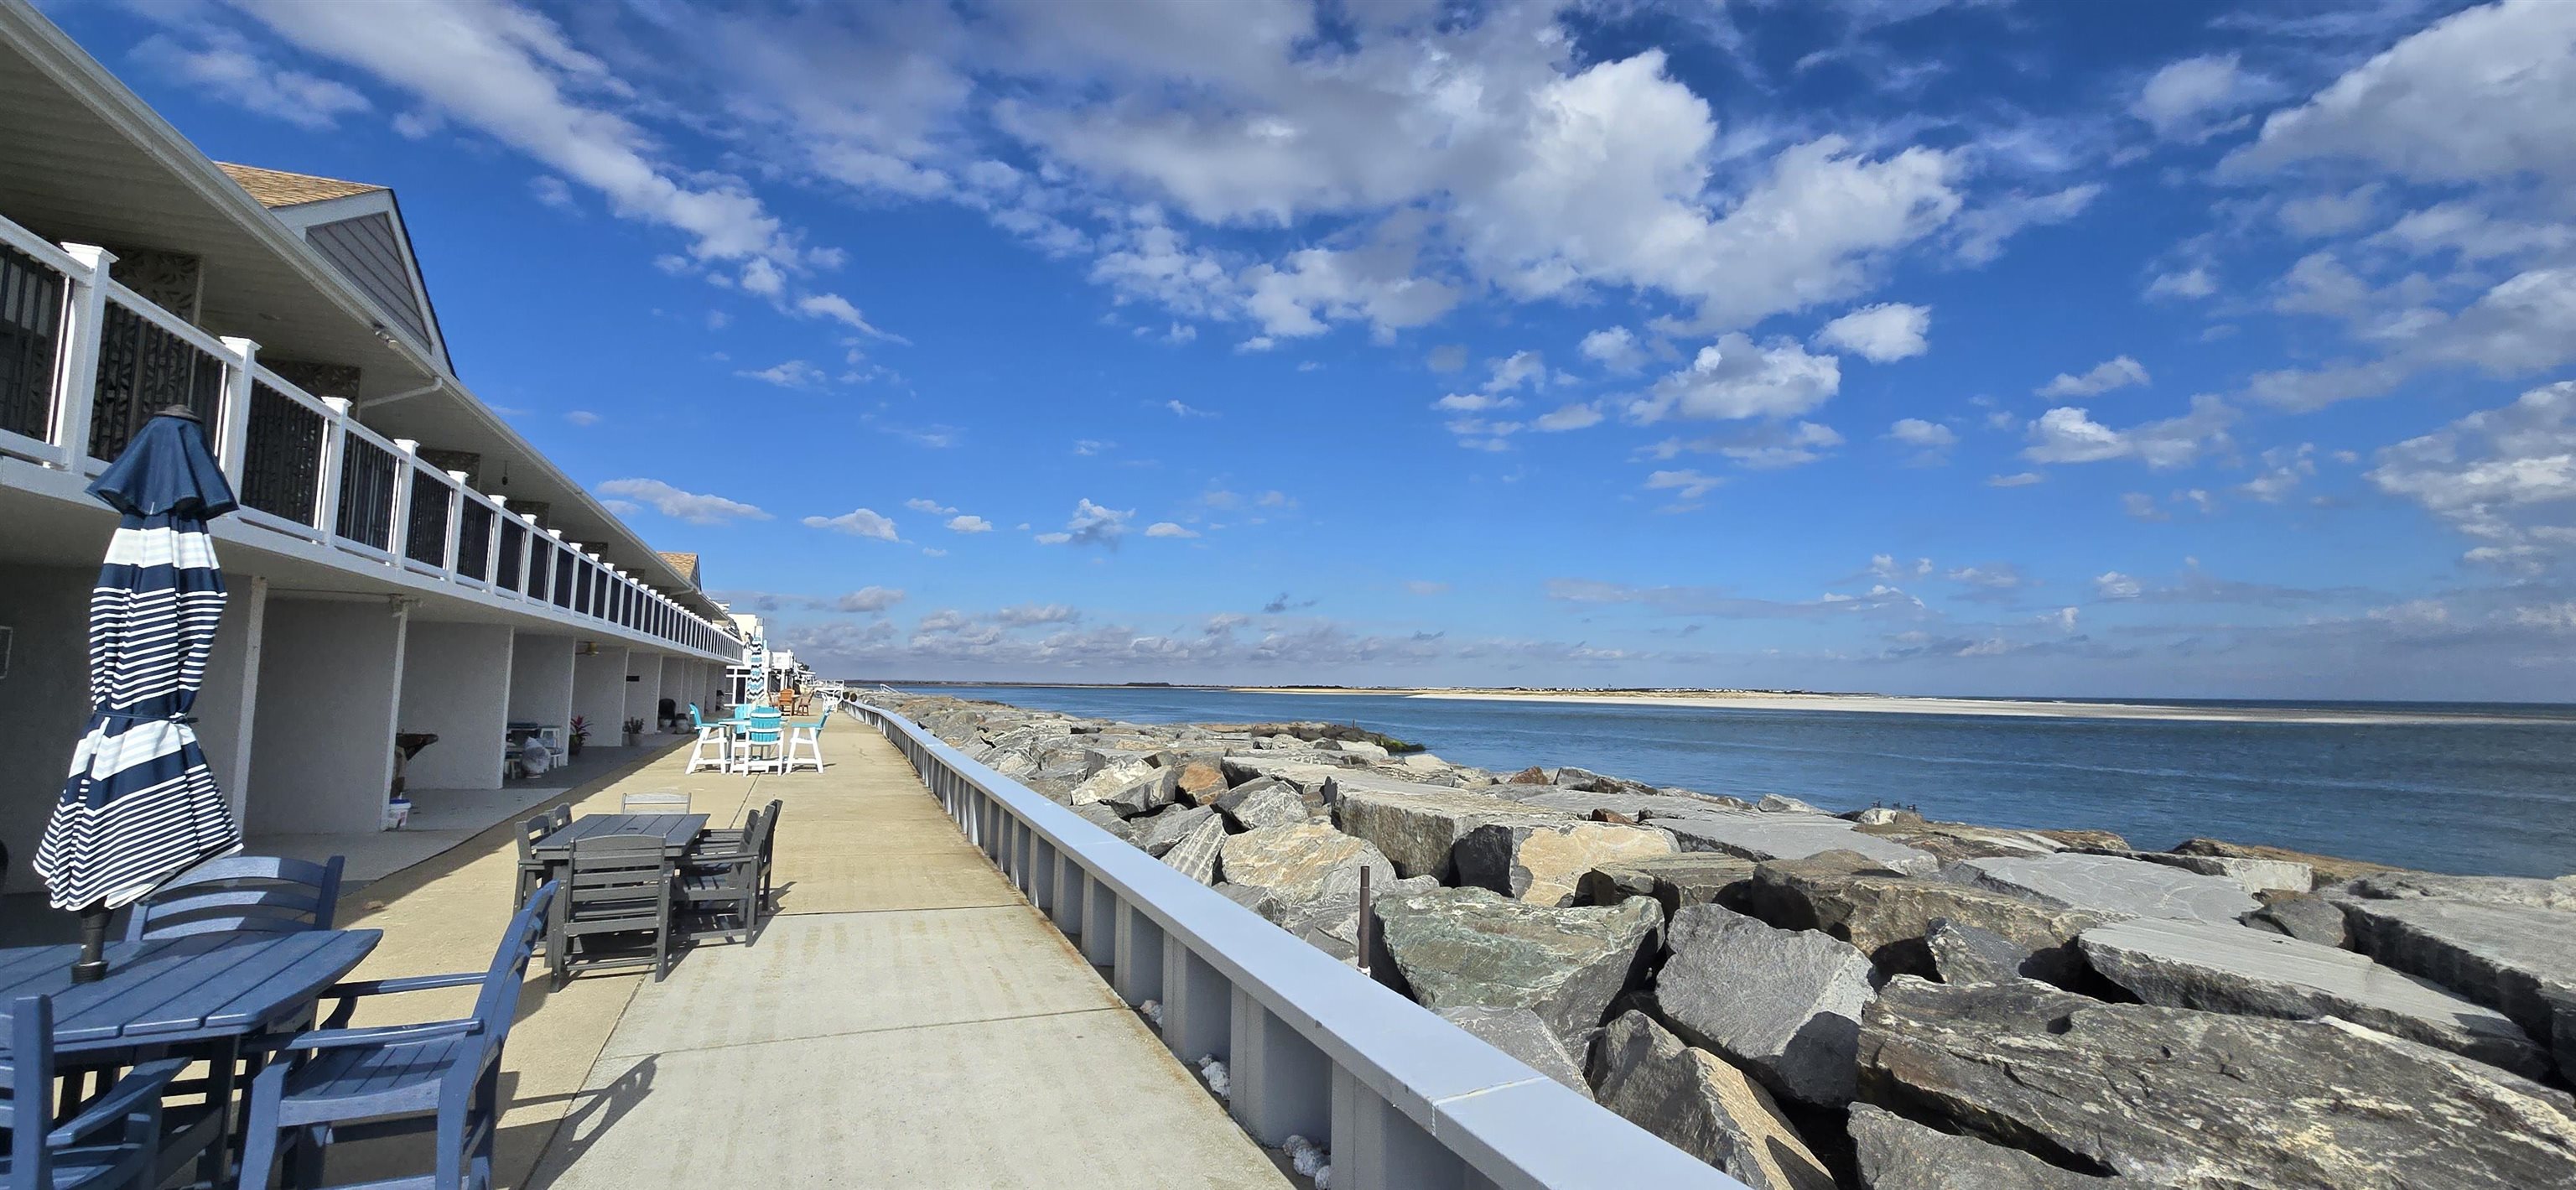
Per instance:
{"type": "Point", "coordinates": [436, 383]}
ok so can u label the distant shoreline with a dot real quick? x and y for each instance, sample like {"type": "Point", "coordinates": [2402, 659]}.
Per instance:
{"type": "Point", "coordinates": [1886, 704]}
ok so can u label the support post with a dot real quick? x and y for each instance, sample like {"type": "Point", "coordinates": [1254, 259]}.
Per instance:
{"type": "Point", "coordinates": [1376, 1148]}
{"type": "Point", "coordinates": [232, 427]}
{"type": "Point", "coordinates": [1197, 1006]}
{"type": "Point", "coordinates": [76, 385]}
{"type": "Point", "coordinates": [1100, 913]}
{"type": "Point", "coordinates": [1137, 967]}
{"type": "Point", "coordinates": [1280, 1084]}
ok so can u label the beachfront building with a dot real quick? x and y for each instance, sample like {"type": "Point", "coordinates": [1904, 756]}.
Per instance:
{"type": "Point", "coordinates": [403, 562]}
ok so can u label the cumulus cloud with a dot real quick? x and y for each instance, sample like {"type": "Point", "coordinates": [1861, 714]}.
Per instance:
{"type": "Point", "coordinates": [1169, 529]}
{"type": "Point", "coordinates": [2115, 585]}
{"type": "Point", "coordinates": [2114, 373]}
{"type": "Point", "coordinates": [2070, 435]}
{"type": "Point", "coordinates": [859, 522]}
{"type": "Point", "coordinates": [2191, 100]}
{"type": "Point", "coordinates": [1882, 333]}
{"type": "Point", "coordinates": [2503, 476]}
{"type": "Point", "coordinates": [969, 523]}
{"type": "Point", "coordinates": [1576, 416]}
{"type": "Point", "coordinates": [1916, 432]}
{"type": "Point", "coordinates": [1091, 524]}
{"type": "Point", "coordinates": [226, 67]}
{"type": "Point", "coordinates": [1615, 348]}
{"type": "Point", "coordinates": [1733, 378]}
{"type": "Point", "coordinates": [934, 507]}
{"type": "Point", "coordinates": [691, 507]}
{"type": "Point", "coordinates": [869, 599]}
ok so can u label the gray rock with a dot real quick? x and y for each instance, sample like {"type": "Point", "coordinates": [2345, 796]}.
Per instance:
{"type": "Point", "coordinates": [2523, 892]}
{"type": "Point", "coordinates": [1787, 835]}
{"type": "Point", "coordinates": [2232, 969]}
{"type": "Point", "coordinates": [1634, 805]}
{"type": "Point", "coordinates": [1195, 855]}
{"type": "Point", "coordinates": [1887, 916]}
{"type": "Point", "coordinates": [2110, 885]}
{"type": "Point", "coordinates": [2171, 1096]}
{"type": "Point", "coordinates": [1360, 748]}
{"type": "Point", "coordinates": [1275, 803]}
{"type": "Point", "coordinates": [2306, 918]}
{"type": "Point", "coordinates": [1520, 1033]}
{"type": "Point", "coordinates": [1109, 780]}
{"type": "Point", "coordinates": [1156, 789]}
{"type": "Point", "coordinates": [1698, 878]}
{"type": "Point", "coordinates": [1895, 1153]}
{"type": "Point", "coordinates": [2252, 875]}
{"type": "Point", "coordinates": [2517, 960]}
{"type": "Point", "coordinates": [1312, 777]}
{"type": "Point", "coordinates": [1300, 861]}
{"type": "Point", "coordinates": [1697, 1103]}
{"type": "Point", "coordinates": [1883, 816]}
{"type": "Point", "coordinates": [1774, 803]}
{"type": "Point", "coordinates": [1951, 842]}
{"type": "Point", "coordinates": [1255, 898]}
{"type": "Point", "coordinates": [1418, 827]}
{"type": "Point", "coordinates": [2329, 869]}
{"type": "Point", "coordinates": [1106, 819]}
{"type": "Point", "coordinates": [1964, 953]}
{"type": "Point", "coordinates": [1587, 781]}
{"type": "Point", "coordinates": [1332, 924]}
{"type": "Point", "coordinates": [1200, 782]}
{"type": "Point", "coordinates": [1168, 827]}
{"type": "Point", "coordinates": [1784, 1004]}
{"type": "Point", "coordinates": [1543, 862]}
{"type": "Point", "coordinates": [1468, 946]}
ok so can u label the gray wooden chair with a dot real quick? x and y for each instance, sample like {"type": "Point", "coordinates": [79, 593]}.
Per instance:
{"type": "Point", "coordinates": [441, 1077]}
{"type": "Point", "coordinates": [654, 803]}
{"type": "Point", "coordinates": [720, 890]}
{"type": "Point", "coordinates": [615, 885]}
{"type": "Point", "coordinates": [532, 870]}
{"type": "Point", "coordinates": [730, 839]}
{"type": "Point", "coordinates": [253, 894]}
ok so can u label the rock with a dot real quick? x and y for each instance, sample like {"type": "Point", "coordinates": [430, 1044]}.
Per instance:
{"type": "Point", "coordinates": [1700, 1105]}
{"type": "Point", "coordinates": [1169, 827]}
{"type": "Point", "coordinates": [1469, 946]}
{"type": "Point", "coordinates": [2232, 969]}
{"type": "Point", "coordinates": [1361, 748]}
{"type": "Point", "coordinates": [1520, 1033]}
{"type": "Point", "coordinates": [1773, 803]}
{"type": "Point", "coordinates": [1587, 781]}
{"type": "Point", "coordinates": [1195, 855]}
{"type": "Point", "coordinates": [1785, 1004]}
{"type": "Point", "coordinates": [1542, 862]}
{"type": "Point", "coordinates": [1156, 789]}
{"type": "Point", "coordinates": [1966, 954]}
{"type": "Point", "coordinates": [1109, 780]}
{"type": "Point", "coordinates": [1951, 842]}
{"type": "Point", "coordinates": [1265, 802]}
{"type": "Point", "coordinates": [1786, 835]}
{"type": "Point", "coordinates": [2085, 837]}
{"type": "Point", "coordinates": [1636, 805]}
{"type": "Point", "coordinates": [1106, 819]}
{"type": "Point", "coordinates": [1298, 862]}
{"type": "Point", "coordinates": [1255, 898]}
{"type": "Point", "coordinates": [1883, 816]}
{"type": "Point", "coordinates": [2111, 885]}
{"type": "Point", "coordinates": [1896, 1153]}
{"type": "Point", "coordinates": [2329, 869]}
{"type": "Point", "coordinates": [2517, 960]}
{"type": "Point", "coordinates": [1332, 924]}
{"type": "Point", "coordinates": [2306, 918]}
{"type": "Point", "coordinates": [2171, 1096]}
{"type": "Point", "coordinates": [1888, 916]}
{"type": "Point", "coordinates": [1418, 828]}
{"type": "Point", "coordinates": [2252, 875]}
{"type": "Point", "coordinates": [1533, 775]}
{"type": "Point", "coordinates": [1700, 878]}
{"type": "Point", "coordinates": [1201, 781]}
{"type": "Point", "coordinates": [1311, 778]}
{"type": "Point", "coordinates": [2559, 894]}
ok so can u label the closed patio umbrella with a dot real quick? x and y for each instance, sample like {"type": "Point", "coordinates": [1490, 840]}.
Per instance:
{"type": "Point", "coordinates": [140, 804]}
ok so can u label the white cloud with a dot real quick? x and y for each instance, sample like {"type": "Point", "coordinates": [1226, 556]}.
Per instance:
{"type": "Point", "coordinates": [1567, 417]}
{"type": "Point", "coordinates": [671, 502]}
{"type": "Point", "coordinates": [229, 69]}
{"type": "Point", "coordinates": [1091, 524]}
{"type": "Point", "coordinates": [1088, 447]}
{"type": "Point", "coordinates": [2115, 585]}
{"type": "Point", "coordinates": [2284, 468]}
{"type": "Point", "coordinates": [2143, 507]}
{"type": "Point", "coordinates": [1169, 529]}
{"type": "Point", "coordinates": [1691, 485]}
{"type": "Point", "coordinates": [1914, 431]}
{"type": "Point", "coordinates": [2330, 213]}
{"type": "Point", "coordinates": [1615, 348]}
{"type": "Point", "coordinates": [1979, 233]}
{"type": "Point", "coordinates": [794, 373]}
{"type": "Point", "coordinates": [835, 308]}
{"type": "Point", "coordinates": [969, 523]}
{"type": "Point", "coordinates": [933, 507]}
{"type": "Point", "coordinates": [871, 599]}
{"type": "Point", "coordinates": [859, 522]}
{"type": "Point", "coordinates": [2070, 435]}
{"type": "Point", "coordinates": [1890, 568]}
{"type": "Point", "coordinates": [2188, 100]}
{"type": "Point", "coordinates": [2115, 373]}
{"type": "Point", "coordinates": [1882, 333]}
{"type": "Point", "coordinates": [2502, 476]}
{"type": "Point", "coordinates": [2021, 479]}
{"type": "Point", "coordinates": [1275, 499]}
{"type": "Point", "coordinates": [2193, 282]}
{"type": "Point", "coordinates": [1028, 615]}
{"type": "Point", "coordinates": [1733, 378]}
{"type": "Point", "coordinates": [1473, 403]}
{"type": "Point", "coordinates": [582, 417]}
{"type": "Point", "coordinates": [1184, 409]}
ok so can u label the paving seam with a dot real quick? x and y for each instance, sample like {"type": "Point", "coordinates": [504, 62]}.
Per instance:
{"type": "Point", "coordinates": [923, 1027]}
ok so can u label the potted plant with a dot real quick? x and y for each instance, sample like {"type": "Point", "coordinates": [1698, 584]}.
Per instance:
{"type": "Point", "coordinates": [573, 738]}
{"type": "Point", "coordinates": [634, 732]}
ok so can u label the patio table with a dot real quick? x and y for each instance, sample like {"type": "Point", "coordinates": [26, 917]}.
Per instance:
{"type": "Point", "coordinates": [677, 831]}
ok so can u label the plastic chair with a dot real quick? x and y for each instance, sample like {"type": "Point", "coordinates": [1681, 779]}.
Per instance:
{"type": "Point", "coordinates": [809, 737]}
{"type": "Point", "coordinates": [256, 894]}
{"type": "Point", "coordinates": [720, 886]}
{"type": "Point", "coordinates": [112, 1144]}
{"type": "Point", "coordinates": [532, 871]}
{"type": "Point", "coordinates": [442, 1076]}
{"type": "Point", "coordinates": [709, 734]}
{"type": "Point", "coordinates": [617, 884]}
{"type": "Point", "coordinates": [764, 731]}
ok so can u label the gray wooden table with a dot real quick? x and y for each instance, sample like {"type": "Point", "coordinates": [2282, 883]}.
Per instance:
{"type": "Point", "coordinates": [677, 831]}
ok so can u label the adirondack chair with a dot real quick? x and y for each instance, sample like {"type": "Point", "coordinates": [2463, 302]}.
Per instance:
{"type": "Point", "coordinates": [111, 1145]}
{"type": "Point", "coordinates": [618, 884]}
{"type": "Point", "coordinates": [654, 803]}
{"type": "Point", "coordinates": [263, 894]}
{"type": "Point", "coordinates": [338, 1083]}
{"type": "Point", "coordinates": [720, 890]}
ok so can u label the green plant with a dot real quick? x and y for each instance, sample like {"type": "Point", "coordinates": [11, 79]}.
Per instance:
{"type": "Point", "coordinates": [580, 729]}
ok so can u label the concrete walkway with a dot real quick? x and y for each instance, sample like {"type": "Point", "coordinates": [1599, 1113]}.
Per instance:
{"type": "Point", "coordinates": [906, 1020]}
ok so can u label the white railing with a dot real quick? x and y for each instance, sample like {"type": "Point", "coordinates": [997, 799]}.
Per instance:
{"type": "Point", "coordinates": [1312, 1047]}
{"type": "Point", "coordinates": [85, 359]}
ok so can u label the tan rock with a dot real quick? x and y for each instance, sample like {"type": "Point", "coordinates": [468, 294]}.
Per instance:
{"type": "Point", "coordinates": [1202, 782]}
{"type": "Point", "coordinates": [1700, 1105]}
{"type": "Point", "coordinates": [1417, 826]}
{"type": "Point", "coordinates": [1544, 863]}
{"type": "Point", "coordinates": [1300, 863]}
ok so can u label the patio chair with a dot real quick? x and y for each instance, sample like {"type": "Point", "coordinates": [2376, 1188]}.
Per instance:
{"type": "Point", "coordinates": [618, 884]}
{"type": "Point", "coordinates": [441, 1077]}
{"type": "Point", "coordinates": [112, 1144]}
{"type": "Point", "coordinates": [561, 815]}
{"type": "Point", "coordinates": [710, 735]}
{"type": "Point", "coordinates": [761, 745]}
{"type": "Point", "coordinates": [658, 802]}
{"type": "Point", "coordinates": [810, 736]}
{"type": "Point", "coordinates": [261, 894]}
{"type": "Point", "coordinates": [720, 887]}
{"type": "Point", "coordinates": [532, 870]}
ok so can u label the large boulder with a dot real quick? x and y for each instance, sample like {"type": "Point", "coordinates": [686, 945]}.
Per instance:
{"type": "Point", "coordinates": [1652, 804]}
{"type": "Point", "coordinates": [1700, 1105]}
{"type": "Point", "coordinates": [1695, 878]}
{"type": "Point", "coordinates": [1170, 826]}
{"type": "Point", "coordinates": [1264, 801]}
{"type": "Point", "coordinates": [2519, 891]}
{"type": "Point", "coordinates": [2172, 1096]}
{"type": "Point", "coordinates": [1967, 954]}
{"type": "Point", "coordinates": [1895, 1153]}
{"type": "Point", "coordinates": [1469, 946]}
{"type": "Point", "coordinates": [1543, 862]}
{"type": "Point", "coordinates": [1951, 842]}
{"type": "Point", "coordinates": [1299, 862]}
{"type": "Point", "coordinates": [1110, 779]}
{"type": "Point", "coordinates": [1756, 834]}
{"type": "Point", "coordinates": [2227, 968]}
{"type": "Point", "coordinates": [2305, 917]}
{"type": "Point", "coordinates": [1418, 827]}
{"type": "Point", "coordinates": [2109, 885]}
{"type": "Point", "coordinates": [1200, 782]}
{"type": "Point", "coordinates": [2517, 960]}
{"type": "Point", "coordinates": [2252, 875]}
{"type": "Point", "coordinates": [2329, 869]}
{"type": "Point", "coordinates": [1887, 916]}
{"type": "Point", "coordinates": [1312, 777]}
{"type": "Point", "coordinates": [1520, 1033]}
{"type": "Point", "coordinates": [1785, 1004]}
{"type": "Point", "coordinates": [1196, 852]}
{"type": "Point", "coordinates": [1158, 788]}
{"type": "Point", "coordinates": [1107, 819]}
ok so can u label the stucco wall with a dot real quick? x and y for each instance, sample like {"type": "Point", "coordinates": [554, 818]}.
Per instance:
{"type": "Point", "coordinates": [599, 692]}
{"type": "Point", "coordinates": [330, 687]}
{"type": "Point", "coordinates": [44, 700]}
{"type": "Point", "coordinates": [456, 685]}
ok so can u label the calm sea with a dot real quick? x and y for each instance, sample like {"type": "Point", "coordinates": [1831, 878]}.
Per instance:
{"type": "Point", "coordinates": [2485, 798]}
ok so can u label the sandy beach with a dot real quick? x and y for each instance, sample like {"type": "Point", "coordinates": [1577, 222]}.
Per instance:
{"type": "Point", "coordinates": [1884, 704]}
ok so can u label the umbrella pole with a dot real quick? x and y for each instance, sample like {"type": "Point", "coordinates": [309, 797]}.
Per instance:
{"type": "Point", "coordinates": [92, 966]}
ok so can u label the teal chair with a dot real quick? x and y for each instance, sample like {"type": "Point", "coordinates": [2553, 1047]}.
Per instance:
{"type": "Point", "coordinates": [805, 741]}
{"type": "Point", "coordinates": [761, 743]}
{"type": "Point", "coordinates": [709, 751]}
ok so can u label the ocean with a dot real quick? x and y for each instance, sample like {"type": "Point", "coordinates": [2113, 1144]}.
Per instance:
{"type": "Point", "coordinates": [2495, 797]}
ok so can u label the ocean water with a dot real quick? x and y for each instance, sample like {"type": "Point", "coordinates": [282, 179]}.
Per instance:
{"type": "Point", "coordinates": [2488, 798]}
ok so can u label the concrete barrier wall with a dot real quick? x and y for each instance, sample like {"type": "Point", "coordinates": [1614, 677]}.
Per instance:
{"type": "Point", "coordinates": [1404, 1099]}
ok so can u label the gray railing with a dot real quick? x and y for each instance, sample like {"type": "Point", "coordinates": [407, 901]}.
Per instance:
{"type": "Point", "coordinates": [1312, 1047]}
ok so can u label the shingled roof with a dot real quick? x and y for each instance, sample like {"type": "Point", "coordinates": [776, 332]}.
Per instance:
{"type": "Point", "coordinates": [277, 188]}
{"type": "Point", "coordinates": [686, 564]}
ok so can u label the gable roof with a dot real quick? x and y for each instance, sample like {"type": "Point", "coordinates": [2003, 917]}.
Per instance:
{"type": "Point", "coordinates": [276, 188]}
{"type": "Point", "coordinates": [685, 564]}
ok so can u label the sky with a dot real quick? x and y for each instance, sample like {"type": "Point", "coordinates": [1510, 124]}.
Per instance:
{"type": "Point", "coordinates": [1918, 346]}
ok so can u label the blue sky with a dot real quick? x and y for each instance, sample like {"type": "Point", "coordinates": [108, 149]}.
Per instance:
{"type": "Point", "coordinates": [2156, 349]}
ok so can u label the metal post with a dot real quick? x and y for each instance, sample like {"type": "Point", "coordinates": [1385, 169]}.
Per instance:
{"type": "Point", "coordinates": [1198, 1005]}
{"type": "Point", "coordinates": [1376, 1148]}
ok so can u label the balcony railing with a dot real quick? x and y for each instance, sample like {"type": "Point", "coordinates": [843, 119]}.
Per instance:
{"type": "Point", "coordinates": [84, 361]}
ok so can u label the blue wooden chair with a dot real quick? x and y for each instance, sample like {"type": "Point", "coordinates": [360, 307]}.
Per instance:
{"type": "Point", "coordinates": [268, 894]}
{"type": "Point", "coordinates": [112, 1144]}
{"type": "Point", "coordinates": [340, 1083]}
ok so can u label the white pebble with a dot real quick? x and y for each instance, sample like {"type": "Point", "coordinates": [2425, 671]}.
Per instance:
{"type": "Point", "coordinates": [1153, 1010]}
{"type": "Point", "coordinates": [1214, 1072]}
{"type": "Point", "coordinates": [1305, 1156]}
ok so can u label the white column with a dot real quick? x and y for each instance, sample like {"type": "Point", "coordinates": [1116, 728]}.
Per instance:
{"type": "Point", "coordinates": [599, 690]}
{"type": "Point", "coordinates": [229, 701]}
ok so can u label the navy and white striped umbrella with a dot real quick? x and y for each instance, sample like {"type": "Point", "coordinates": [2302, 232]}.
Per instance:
{"type": "Point", "coordinates": [758, 684]}
{"type": "Point", "coordinates": [140, 804]}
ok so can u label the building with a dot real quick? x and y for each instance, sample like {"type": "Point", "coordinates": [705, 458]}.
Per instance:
{"type": "Point", "coordinates": [403, 561]}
